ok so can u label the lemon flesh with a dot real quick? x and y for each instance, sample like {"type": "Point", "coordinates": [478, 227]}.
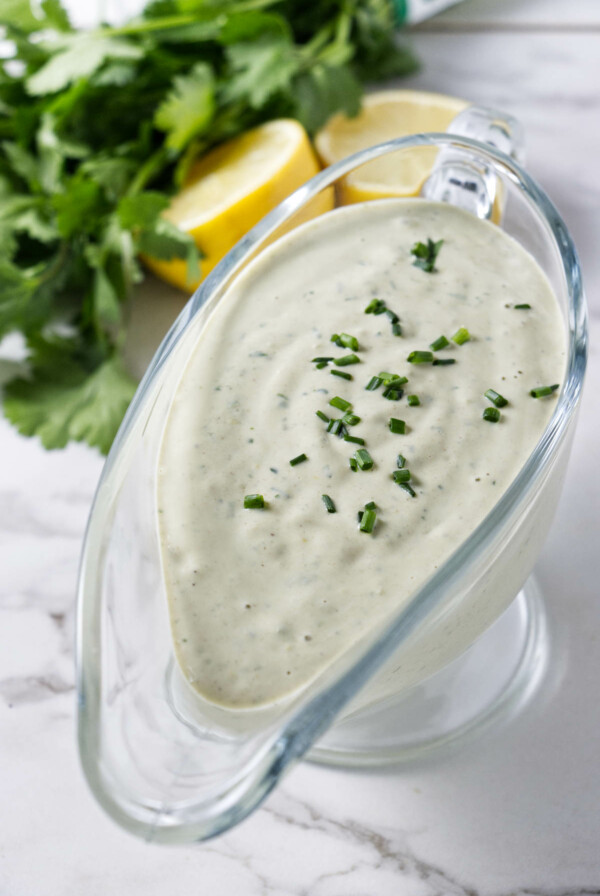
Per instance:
{"type": "Point", "coordinates": [384, 116]}
{"type": "Point", "coordinates": [232, 187]}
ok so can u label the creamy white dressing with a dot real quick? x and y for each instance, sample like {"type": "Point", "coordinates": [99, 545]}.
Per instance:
{"type": "Point", "coordinates": [262, 600]}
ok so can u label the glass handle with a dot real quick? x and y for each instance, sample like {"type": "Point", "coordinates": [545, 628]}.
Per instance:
{"type": "Point", "coordinates": [463, 179]}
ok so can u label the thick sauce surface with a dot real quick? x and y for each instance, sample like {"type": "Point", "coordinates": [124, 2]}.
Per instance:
{"type": "Point", "coordinates": [261, 600]}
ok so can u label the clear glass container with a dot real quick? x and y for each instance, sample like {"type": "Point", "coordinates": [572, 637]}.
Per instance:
{"type": "Point", "coordinates": [173, 768]}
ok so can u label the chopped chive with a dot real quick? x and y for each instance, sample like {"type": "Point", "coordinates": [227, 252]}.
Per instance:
{"type": "Point", "coordinates": [393, 317]}
{"type": "Point", "coordinates": [400, 461]}
{"type": "Point", "coordinates": [401, 476]}
{"type": "Point", "coordinates": [345, 360]}
{"type": "Point", "coordinates": [348, 341]}
{"type": "Point", "coordinates": [461, 336]}
{"type": "Point", "coordinates": [353, 464]}
{"type": "Point", "coordinates": [367, 521]}
{"type": "Point", "coordinates": [298, 460]}
{"type": "Point", "coordinates": [322, 360]}
{"type": "Point", "coordinates": [342, 373]}
{"type": "Point", "coordinates": [329, 505]}
{"type": "Point", "coordinates": [397, 426]}
{"type": "Point", "coordinates": [396, 330]}
{"type": "Point", "coordinates": [414, 401]}
{"type": "Point", "coordinates": [371, 505]}
{"type": "Point", "coordinates": [360, 515]}
{"type": "Point", "coordinates": [492, 415]}
{"type": "Point", "coordinates": [408, 488]}
{"type": "Point", "coordinates": [336, 427]}
{"type": "Point", "coordinates": [363, 459]}
{"type": "Point", "coordinates": [393, 394]}
{"type": "Point", "coordinates": [374, 383]}
{"type": "Point", "coordinates": [426, 255]}
{"type": "Point", "coordinates": [543, 391]}
{"type": "Point", "coordinates": [334, 338]}
{"type": "Point", "coordinates": [340, 403]}
{"type": "Point", "coordinates": [350, 419]}
{"type": "Point", "coordinates": [356, 440]}
{"type": "Point", "coordinates": [439, 343]}
{"type": "Point", "coordinates": [420, 358]}
{"type": "Point", "coordinates": [320, 365]}
{"type": "Point", "coordinates": [496, 398]}
{"type": "Point", "coordinates": [322, 416]}
{"type": "Point", "coordinates": [443, 362]}
{"type": "Point", "coordinates": [375, 306]}
{"type": "Point", "coordinates": [392, 378]}
{"type": "Point", "coordinates": [254, 502]}
{"type": "Point", "coordinates": [523, 307]}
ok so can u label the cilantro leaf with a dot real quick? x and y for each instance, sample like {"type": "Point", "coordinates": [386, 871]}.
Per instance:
{"type": "Point", "coordinates": [56, 15]}
{"type": "Point", "coordinates": [260, 68]}
{"type": "Point", "coordinates": [83, 54]}
{"type": "Point", "coordinates": [78, 207]}
{"type": "Point", "coordinates": [63, 402]}
{"type": "Point", "coordinates": [188, 108]}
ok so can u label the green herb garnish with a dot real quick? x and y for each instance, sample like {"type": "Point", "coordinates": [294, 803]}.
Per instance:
{"type": "Point", "coordinates": [329, 505]}
{"type": "Point", "coordinates": [496, 398]}
{"type": "Point", "coordinates": [543, 391]}
{"type": "Point", "coordinates": [336, 427]}
{"type": "Point", "coordinates": [345, 360]}
{"type": "Point", "coordinates": [439, 343]}
{"type": "Point", "coordinates": [492, 415]}
{"type": "Point", "coordinates": [322, 416]}
{"type": "Point", "coordinates": [374, 383]}
{"type": "Point", "coordinates": [363, 459]}
{"type": "Point", "coordinates": [443, 362]}
{"type": "Point", "coordinates": [392, 378]}
{"type": "Point", "coordinates": [426, 255]}
{"type": "Point", "coordinates": [254, 502]}
{"type": "Point", "coordinates": [367, 521]}
{"type": "Point", "coordinates": [353, 464]}
{"type": "Point", "coordinates": [396, 330]}
{"type": "Point", "coordinates": [298, 460]}
{"type": "Point", "coordinates": [375, 306]}
{"type": "Point", "coordinates": [393, 394]}
{"type": "Point", "coordinates": [356, 440]}
{"type": "Point", "coordinates": [408, 488]}
{"type": "Point", "coordinates": [400, 461]}
{"type": "Point", "coordinates": [340, 403]}
{"type": "Point", "coordinates": [371, 505]}
{"type": "Point", "coordinates": [461, 336]}
{"type": "Point", "coordinates": [350, 419]}
{"type": "Point", "coordinates": [397, 426]}
{"type": "Point", "coordinates": [344, 340]}
{"type": "Point", "coordinates": [401, 476]}
{"type": "Point", "coordinates": [523, 307]}
{"type": "Point", "coordinates": [342, 373]}
{"type": "Point", "coordinates": [420, 358]}
{"type": "Point", "coordinates": [413, 401]}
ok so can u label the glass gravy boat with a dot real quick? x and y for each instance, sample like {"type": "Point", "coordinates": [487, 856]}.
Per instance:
{"type": "Point", "coordinates": [171, 767]}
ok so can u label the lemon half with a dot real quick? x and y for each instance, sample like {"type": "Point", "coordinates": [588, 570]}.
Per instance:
{"type": "Point", "coordinates": [233, 186]}
{"type": "Point", "coordinates": [384, 116]}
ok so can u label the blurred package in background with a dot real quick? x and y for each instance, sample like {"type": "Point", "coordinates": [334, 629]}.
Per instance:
{"type": "Point", "coordinates": [412, 11]}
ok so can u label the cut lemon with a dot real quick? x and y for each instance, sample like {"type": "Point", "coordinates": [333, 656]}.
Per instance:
{"type": "Point", "coordinates": [232, 187]}
{"type": "Point", "coordinates": [384, 116]}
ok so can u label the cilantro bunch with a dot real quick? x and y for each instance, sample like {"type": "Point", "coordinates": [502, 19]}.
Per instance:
{"type": "Point", "coordinates": [98, 128]}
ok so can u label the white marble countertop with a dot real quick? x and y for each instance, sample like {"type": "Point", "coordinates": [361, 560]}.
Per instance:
{"type": "Point", "coordinates": [516, 811]}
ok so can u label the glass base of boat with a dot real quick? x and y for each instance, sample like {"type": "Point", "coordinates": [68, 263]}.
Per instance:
{"type": "Point", "coordinates": [488, 684]}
